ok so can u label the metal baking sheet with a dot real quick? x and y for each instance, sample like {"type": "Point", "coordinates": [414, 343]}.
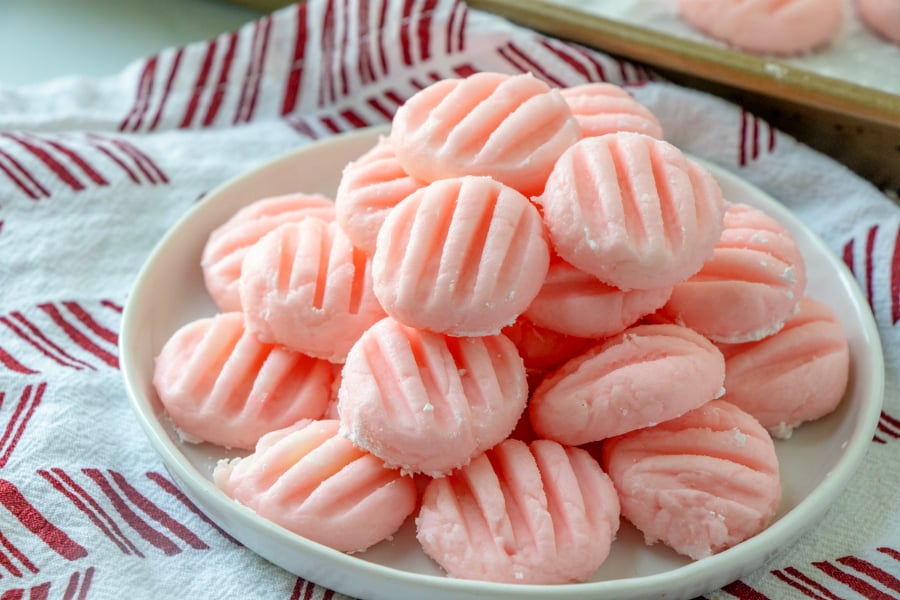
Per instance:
{"type": "Point", "coordinates": [856, 55]}
{"type": "Point", "coordinates": [851, 86]}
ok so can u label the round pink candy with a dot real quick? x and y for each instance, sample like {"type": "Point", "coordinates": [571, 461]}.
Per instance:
{"type": "Point", "coordinates": [509, 127]}
{"type": "Point", "coordinates": [524, 514]}
{"type": "Point", "coordinates": [643, 376]}
{"type": "Point", "coordinates": [882, 17]}
{"type": "Point", "coordinates": [783, 27]}
{"type": "Point", "coordinates": [602, 108]}
{"type": "Point", "coordinates": [227, 245]}
{"type": "Point", "coordinates": [369, 188]}
{"type": "Point", "coordinates": [313, 482]}
{"type": "Point", "coordinates": [632, 210]}
{"type": "Point", "coordinates": [748, 287]}
{"type": "Point", "coordinates": [305, 286]}
{"type": "Point", "coordinates": [576, 303]}
{"type": "Point", "coordinates": [699, 483]}
{"type": "Point", "coordinates": [426, 402]}
{"type": "Point", "coordinates": [796, 375]}
{"type": "Point", "coordinates": [462, 256]}
{"type": "Point", "coordinates": [220, 384]}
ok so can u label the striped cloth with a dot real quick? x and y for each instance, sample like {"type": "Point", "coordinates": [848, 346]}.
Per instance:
{"type": "Point", "coordinates": [93, 173]}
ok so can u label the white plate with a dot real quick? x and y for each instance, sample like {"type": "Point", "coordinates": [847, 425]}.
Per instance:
{"type": "Point", "coordinates": [816, 462]}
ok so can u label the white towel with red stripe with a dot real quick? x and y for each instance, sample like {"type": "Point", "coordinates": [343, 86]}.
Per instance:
{"type": "Point", "coordinates": [93, 173]}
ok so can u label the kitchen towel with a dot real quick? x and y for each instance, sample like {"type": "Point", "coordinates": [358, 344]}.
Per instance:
{"type": "Point", "coordinates": [93, 172]}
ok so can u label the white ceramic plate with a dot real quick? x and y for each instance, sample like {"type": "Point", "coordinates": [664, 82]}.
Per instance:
{"type": "Point", "coordinates": [816, 462]}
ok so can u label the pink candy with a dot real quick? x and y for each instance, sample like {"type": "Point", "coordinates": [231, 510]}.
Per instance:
{"type": "Point", "coordinates": [576, 303]}
{"type": "Point", "coordinates": [220, 384]}
{"type": "Point", "coordinates": [370, 187]}
{"type": "Point", "coordinates": [796, 375]}
{"type": "Point", "coordinates": [785, 27]}
{"type": "Point", "coordinates": [314, 482]}
{"type": "Point", "coordinates": [645, 375]}
{"type": "Point", "coordinates": [602, 108]}
{"type": "Point", "coordinates": [510, 128]}
{"type": "Point", "coordinates": [224, 252]}
{"type": "Point", "coordinates": [882, 17]}
{"type": "Point", "coordinates": [306, 287]}
{"type": "Point", "coordinates": [429, 403]}
{"type": "Point", "coordinates": [632, 210]}
{"type": "Point", "coordinates": [700, 483]}
{"type": "Point", "coordinates": [539, 513]}
{"type": "Point", "coordinates": [754, 278]}
{"type": "Point", "coordinates": [462, 256]}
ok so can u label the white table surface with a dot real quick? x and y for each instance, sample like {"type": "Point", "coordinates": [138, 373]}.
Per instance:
{"type": "Point", "coordinates": [46, 39]}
